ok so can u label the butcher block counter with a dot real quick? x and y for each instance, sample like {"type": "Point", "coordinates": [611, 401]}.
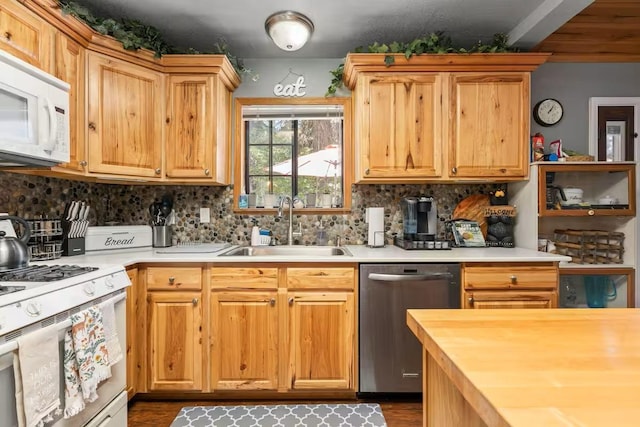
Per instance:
{"type": "Point", "coordinates": [530, 367]}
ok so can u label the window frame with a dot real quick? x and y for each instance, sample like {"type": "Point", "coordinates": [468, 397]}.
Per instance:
{"type": "Point", "coordinates": [239, 150]}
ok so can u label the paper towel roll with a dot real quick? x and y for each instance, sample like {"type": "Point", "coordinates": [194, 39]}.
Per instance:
{"type": "Point", "coordinates": [375, 219]}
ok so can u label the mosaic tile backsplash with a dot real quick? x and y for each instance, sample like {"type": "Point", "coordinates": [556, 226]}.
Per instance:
{"type": "Point", "coordinates": [34, 197]}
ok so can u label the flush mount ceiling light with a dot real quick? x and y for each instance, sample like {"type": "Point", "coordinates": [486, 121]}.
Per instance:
{"type": "Point", "coordinates": [289, 30]}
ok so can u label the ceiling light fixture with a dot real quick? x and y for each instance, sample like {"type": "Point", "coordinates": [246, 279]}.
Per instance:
{"type": "Point", "coordinates": [289, 30]}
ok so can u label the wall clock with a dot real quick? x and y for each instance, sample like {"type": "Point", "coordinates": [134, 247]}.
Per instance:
{"type": "Point", "coordinates": [548, 112]}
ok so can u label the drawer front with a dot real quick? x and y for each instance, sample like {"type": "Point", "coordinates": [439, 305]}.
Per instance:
{"type": "Point", "coordinates": [321, 278]}
{"type": "Point", "coordinates": [164, 278]}
{"type": "Point", "coordinates": [244, 278]}
{"type": "Point", "coordinates": [529, 277]}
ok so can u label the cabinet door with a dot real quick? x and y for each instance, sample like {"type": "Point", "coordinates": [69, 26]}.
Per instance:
{"type": "Point", "coordinates": [191, 137]}
{"type": "Point", "coordinates": [175, 341]}
{"type": "Point", "coordinates": [489, 125]}
{"type": "Point", "coordinates": [321, 340]}
{"type": "Point", "coordinates": [125, 104]}
{"type": "Point", "coordinates": [132, 306]}
{"type": "Point", "coordinates": [69, 66]}
{"type": "Point", "coordinates": [398, 127]}
{"type": "Point", "coordinates": [510, 299]}
{"type": "Point", "coordinates": [244, 341]}
{"type": "Point", "coordinates": [25, 35]}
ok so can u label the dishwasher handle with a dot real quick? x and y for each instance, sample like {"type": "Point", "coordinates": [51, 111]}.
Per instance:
{"type": "Point", "coordinates": [382, 277]}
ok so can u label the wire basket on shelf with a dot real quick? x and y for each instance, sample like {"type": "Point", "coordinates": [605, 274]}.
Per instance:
{"type": "Point", "coordinates": [46, 239]}
{"type": "Point", "coordinates": [590, 246]}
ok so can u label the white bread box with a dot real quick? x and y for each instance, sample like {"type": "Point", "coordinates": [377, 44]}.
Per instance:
{"type": "Point", "coordinates": [117, 237]}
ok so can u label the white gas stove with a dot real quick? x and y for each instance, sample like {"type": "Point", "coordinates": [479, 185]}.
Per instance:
{"type": "Point", "coordinates": [46, 294]}
{"type": "Point", "coordinates": [34, 293]}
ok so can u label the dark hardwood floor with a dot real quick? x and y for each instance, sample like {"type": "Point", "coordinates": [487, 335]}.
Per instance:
{"type": "Point", "coordinates": [160, 413]}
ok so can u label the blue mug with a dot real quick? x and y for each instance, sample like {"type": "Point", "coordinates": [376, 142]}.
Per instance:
{"type": "Point", "coordinates": [599, 290]}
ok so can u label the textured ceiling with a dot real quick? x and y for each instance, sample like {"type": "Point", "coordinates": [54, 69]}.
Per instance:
{"type": "Point", "coordinates": [342, 25]}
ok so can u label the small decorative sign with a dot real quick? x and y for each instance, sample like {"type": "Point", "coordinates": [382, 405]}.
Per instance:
{"type": "Point", "coordinates": [292, 89]}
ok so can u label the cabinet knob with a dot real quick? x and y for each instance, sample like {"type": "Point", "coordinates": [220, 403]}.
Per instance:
{"type": "Point", "coordinates": [272, 301]}
{"type": "Point", "coordinates": [291, 301]}
{"type": "Point", "coordinates": [207, 172]}
{"type": "Point", "coordinates": [454, 170]}
{"type": "Point", "coordinates": [83, 163]}
{"type": "Point", "coordinates": [157, 171]}
{"type": "Point", "coordinates": [366, 171]}
{"type": "Point", "coordinates": [514, 279]}
{"type": "Point", "coordinates": [172, 281]}
{"type": "Point", "coordinates": [470, 299]}
{"type": "Point", "coordinates": [591, 212]}
{"type": "Point", "coordinates": [195, 301]}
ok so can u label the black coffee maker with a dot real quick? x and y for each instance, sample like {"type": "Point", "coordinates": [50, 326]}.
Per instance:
{"type": "Point", "coordinates": [419, 218]}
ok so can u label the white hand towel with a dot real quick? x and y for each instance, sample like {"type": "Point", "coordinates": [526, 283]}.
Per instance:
{"type": "Point", "coordinates": [111, 332]}
{"type": "Point", "coordinates": [90, 345]}
{"type": "Point", "coordinates": [38, 381]}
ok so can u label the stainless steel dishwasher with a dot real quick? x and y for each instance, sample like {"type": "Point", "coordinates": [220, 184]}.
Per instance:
{"type": "Point", "coordinates": [390, 355]}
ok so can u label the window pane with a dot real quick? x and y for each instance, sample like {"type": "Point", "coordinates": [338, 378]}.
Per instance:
{"type": "Point", "coordinates": [258, 185]}
{"type": "Point", "coordinates": [282, 154]}
{"type": "Point", "coordinates": [258, 160]}
{"type": "Point", "coordinates": [258, 132]}
{"type": "Point", "coordinates": [283, 132]}
{"type": "Point", "coordinates": [282, 185]}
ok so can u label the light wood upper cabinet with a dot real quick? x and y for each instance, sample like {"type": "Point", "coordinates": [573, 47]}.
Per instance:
{"type": "Point", "coordinates": [489, 127]}
{"type": "Point", "coordinates": [321, 340]}
{"type": "Point", "coordinates": [175, 340]}
{"type": "Point", "coordinates": [124, 119]}
{"type": "Point", "coordinates": [244, 340]}
{"type": "Point", "coordinates": [398, 126]}
{"type": "Point", "coordinates": [450, 117]}
{"type": "Point", "coordinates": [70, 66]}
{"type": "Point", "coordinates": [25, 35]}
{"type": "Point", "coordinates": [194, 104]}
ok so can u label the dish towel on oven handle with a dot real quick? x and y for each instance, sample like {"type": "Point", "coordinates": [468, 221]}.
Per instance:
{"type": "Point", "coordinates": [86, 359]}
{"type": "Point", "coordinates": [37, 377]}
{"type": "Point", "coordinates": [111, 332]}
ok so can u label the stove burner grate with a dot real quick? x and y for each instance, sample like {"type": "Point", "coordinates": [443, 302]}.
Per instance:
{"type": "Point", "coordinates": [43, 273]}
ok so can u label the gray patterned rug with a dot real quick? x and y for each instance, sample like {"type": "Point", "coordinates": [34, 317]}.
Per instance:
{"type": "Point", "coordinates": [321, 415]}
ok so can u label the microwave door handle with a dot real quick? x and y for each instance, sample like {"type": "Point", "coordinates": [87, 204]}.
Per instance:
{"type": "Point", "coordinates": [408, 277]}
{"type": "Point", "coordinates": [50, 143]}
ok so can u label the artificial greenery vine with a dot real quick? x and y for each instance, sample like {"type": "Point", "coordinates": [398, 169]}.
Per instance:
{"type": "Point", "coordinates": [436, 42]}
{"type": "Point", "coordinates": [134, 34]}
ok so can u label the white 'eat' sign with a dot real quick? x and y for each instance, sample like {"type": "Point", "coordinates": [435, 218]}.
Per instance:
{"type": "Point", "coordinates": [293, 89]}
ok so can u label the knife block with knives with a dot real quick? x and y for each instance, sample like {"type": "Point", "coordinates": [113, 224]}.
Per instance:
{"type": "Point", "coordinates": [74, 228]}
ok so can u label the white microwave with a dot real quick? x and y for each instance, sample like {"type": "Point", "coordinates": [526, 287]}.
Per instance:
{"type": "Point", "coordinates": [34, 115]}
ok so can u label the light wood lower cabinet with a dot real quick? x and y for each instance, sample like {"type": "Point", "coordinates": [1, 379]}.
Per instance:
{"type": "Point", "coordinates": [174, 328]}
{"type": "Point", "coordinates": [321, 340]}
{"type": "Point", "coordinates": [510, 285]}
{"type": "Point", "coordinates": [175, 341]}
{"type": "Point", "coordinates": [244, 340]}
{"type": "Point", "coordinates": [283, 328]}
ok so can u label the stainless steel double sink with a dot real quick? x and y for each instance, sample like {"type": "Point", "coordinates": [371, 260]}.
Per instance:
{"type": "Point", "coordinates": [288, 251]}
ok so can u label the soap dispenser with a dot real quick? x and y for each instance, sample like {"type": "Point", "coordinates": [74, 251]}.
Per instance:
{"type": "Point", "coordinates": [255, 233]}
{"type": "Point", "coordinates": [321, 236]}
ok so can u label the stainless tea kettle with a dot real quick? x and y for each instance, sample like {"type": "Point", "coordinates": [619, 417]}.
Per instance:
{"type": "Point", "coordinates": [13, 251]}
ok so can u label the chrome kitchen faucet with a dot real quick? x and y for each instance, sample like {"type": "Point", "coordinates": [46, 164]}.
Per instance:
{"type": "Point", "coordinates": [290, 232]}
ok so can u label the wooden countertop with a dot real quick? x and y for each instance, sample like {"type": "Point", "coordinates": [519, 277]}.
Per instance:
{"type": "Point", "coordinates": [539, 367]}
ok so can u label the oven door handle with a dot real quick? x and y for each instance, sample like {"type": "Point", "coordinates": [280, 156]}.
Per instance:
{"type": "Point", "coordinates": [382, 277]}
{"type": "Point", "coordinates": [61, 327]}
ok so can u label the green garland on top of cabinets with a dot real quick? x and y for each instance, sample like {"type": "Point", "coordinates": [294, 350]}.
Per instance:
{"type": "Point", "coordinates": [436, 42]}
{"type": "Point", "coordinates": [134, 34]}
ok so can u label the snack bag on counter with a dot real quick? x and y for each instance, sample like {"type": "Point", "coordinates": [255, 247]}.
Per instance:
{"type": "Point", "coordinates": [555, 147]}
{"type": "Point", "coordinates": [537, 147]}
